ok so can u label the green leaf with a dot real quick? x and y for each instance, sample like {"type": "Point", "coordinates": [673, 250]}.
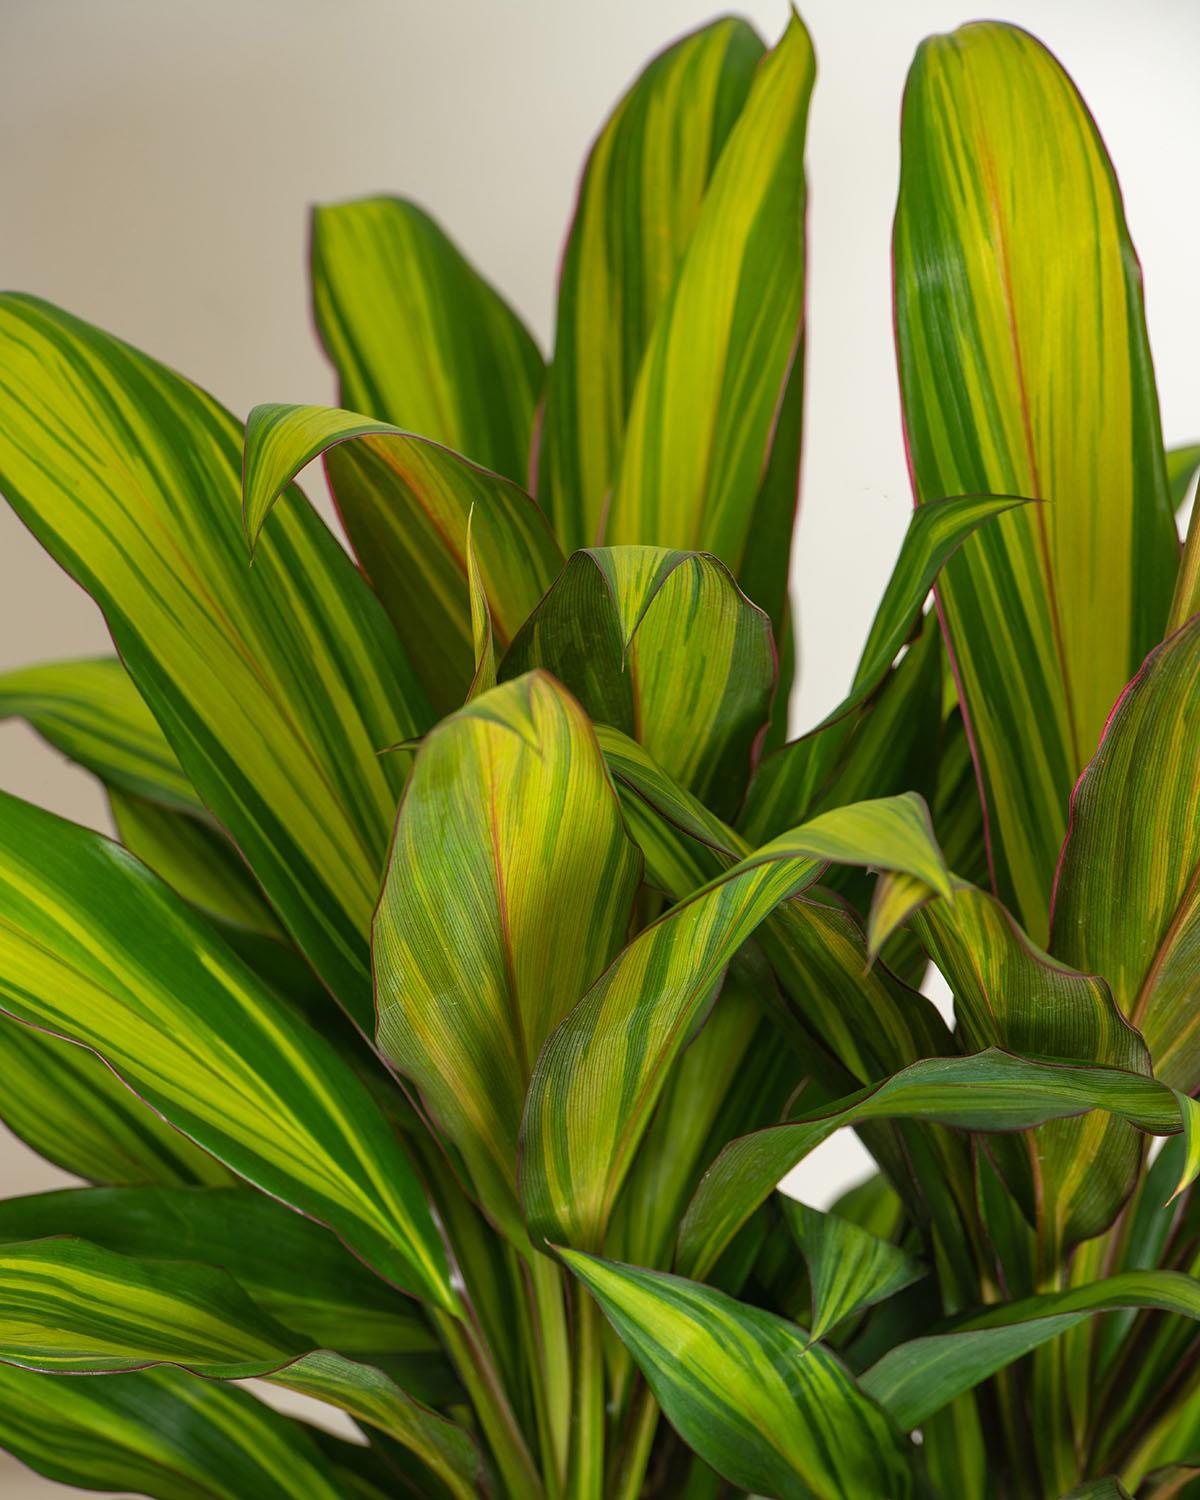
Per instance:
{"type": "Point", "coordinates": [916, 1379]}
{"type": "Point", "coordinates": [406, 504]}
{"type": "Point", "coordinates": [600, 1074]}
{"type": "Point", "coordinates": [483, 641]}
{"type": "Point", "coordinates": [1025, 369]}
{"type": "Point", "coordinates": [664, 646]}
{"type": "Point", "coordinates": [297, 1272]}
{"type": "Point", "coordinates": [788, 782]}
{"type": "Point", "coordinates": [988, 1091]}
{"type": "Point", "coordinates": [642, 192]}
{"type": "Point", "coordinates": [70, 1108]}
{"type": "Point", "coordinates": [849, 1268]}
{"type": "Point", "coordinates": [1185, 601]}
{"type": "Point", "coordinates": [277, 686]}
{"type": "Point", "coordinates": [1127, 901]}
{"type": "Point", "coordinates": [418, 337]}
{"type": "Point", "coordinates": [703, 412]}
{"type": "Point", "coordinates": [771, 1410]}
{"type": "Point", "coordinates": [508, 799]}
{"type": "Point", "coordinates": [1182, 463]}
{"type": "Point", "coordinates": [183, 1022]}
{"type": "Point", "coordinates": [161, 1433]}
{"type": "Point", "coordinates": [70, 1307]}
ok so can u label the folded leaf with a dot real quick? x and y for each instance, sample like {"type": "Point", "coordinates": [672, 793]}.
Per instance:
{"type": "Point", "coordinates": [276, 686]}
{"type": "Point", "coordinates": [849, 1268]}
{"type": "Point", "coordinates": [642, 191]}
{"type": "Point", "coordinates": [507, 800]}
{"type": "Point", "coordinates": [601, 1072]}
{"type": "Point", "coordinates": [703, 411]}
{"type": "Point", "coordinates": [768, 1408]}
{"type": "Point", "coordinates": [916, 1379]}
{"type": "Point", "coordinates": [418, 337]}
{"type": "Point", "coordinates": [161, 1433]}
{"type": "Point", "coordinates": [406, 504]}
{"type": "Point", "coordinates": [664, 646]}
{"type": "Point", "coordinates": [1013, 265]}
{"type": "Point", "coordinates": [191, 1029]}
{"type": "Point", "coordinates": [1127, 900]}
{"type": "Point", "coordinates": [70, 1307]}
{"type": "Point", "coordinates": [988, 1091]}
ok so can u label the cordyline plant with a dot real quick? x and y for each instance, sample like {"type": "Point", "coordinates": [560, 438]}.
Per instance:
{"type": "Point", "coordinates": [476, 957]}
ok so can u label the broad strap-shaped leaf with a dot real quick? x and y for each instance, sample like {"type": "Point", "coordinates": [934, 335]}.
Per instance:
{"type": "Point", "coordinates": [1182, 463]}
{"type": "Point", "coordinates": [295, 1271]}
{"type": "Point", "coordinates": [788, 782]}
{"type": "Point", "coordinates": [703, 412]}
{"type": "Point", "coordinates": [986, 1091]}
{"type": "Point", "coordinates": [1127, 898]}
{"type": "Point", "coordinates": [664, 646]}
{"type": "Point", "coordinates": [70, 1307]}
{"type": "Point", "coordinates": [418, 337]}
{"type": "Point", "coordinates": [510, 839]}
{"type": "Point", "coordinates": [185, 1024]}
{"type": "Point", "coordinates": [1025, 370]}
{"type": "Point", "coordinates": [407, 504]}
{"type": "Point", "coordinates": [641, 194]}
{"type": "Point", "coordinates": [1185, 602]}
{"type": "Point", "coordinates": [849, 1268]}
{"type": "Point", "coordinates": [770, 1409]}
{"type": "Point", "coordinates": [276, 686]}
{"type": "Point", "coordinates": [483, 637]}
{"type": "Point", "coordinates": [64, 1103]}
{"type": "Point", "coordinates": [601, 1072]}
{"type": "Point", "coordinates": [917, 1378]}
{"type": "Point", "coordinates": [162, 1433]}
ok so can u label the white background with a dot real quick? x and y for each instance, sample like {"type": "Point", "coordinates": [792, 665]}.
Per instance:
{"type": "Point", "coordinates": [157, 160]}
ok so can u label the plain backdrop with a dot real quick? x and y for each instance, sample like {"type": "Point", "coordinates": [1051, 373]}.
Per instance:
{"type": "Point", "coordinates": [158, 158]}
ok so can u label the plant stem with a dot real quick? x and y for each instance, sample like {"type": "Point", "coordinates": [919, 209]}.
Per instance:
{"type": "Point", "coordinates": [550, 1367]}
{"type": "Point", "coordinates": [625, 1482]}
{"type": "Point", "coordinates": [585, 1479]}
{"type": "Point", "coordinates": [478, 1373]}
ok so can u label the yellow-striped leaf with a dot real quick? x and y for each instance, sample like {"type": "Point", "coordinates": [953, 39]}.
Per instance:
{"type": "Point", "coordinates": [407, 504]}
{"type": "Point", "coordinates": [1127, 902]}
{"type": "Point", "coordinates": [162, 1433]}
{"type": "Point", "coordinates": [190, 1028]}
{"type": "Point", "coordinates": [641, 194]}
{"type": "Point", "coordinates": [1185, 602]}
{"type": "Point", "coordinates": [508, 802]}
{"type": "Point", "coordinates": [770, 1409]}
{"type": "Point", "coordinates": [418, 337]}
{"type": "Point", "coordinates": [986, 1091]}
{"type": "Point", "coordinates": [665, 647]}
{"type": "Point", "coordinates": [704, 408]}
{"type": "Point", "coordinates": [601, 1073]}
{"type": "Point", "coordinates": [483, 637]}
{"type": "Point", "coordinates": [276, 686]}
{"type": "Point", "coordinates": [71, 1307]}
{"type": "Point", "coordinates": [1025, 369]}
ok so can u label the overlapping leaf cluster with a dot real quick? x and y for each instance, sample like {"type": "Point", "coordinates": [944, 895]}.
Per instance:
{"type": "Point", "coordinates": [476, 957]}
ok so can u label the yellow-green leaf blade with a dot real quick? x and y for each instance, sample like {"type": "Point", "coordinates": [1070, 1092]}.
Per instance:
{"type": "Point", "coordinates": [418, 337]}
{"type": "Point", "coordinates": [1025, 369]}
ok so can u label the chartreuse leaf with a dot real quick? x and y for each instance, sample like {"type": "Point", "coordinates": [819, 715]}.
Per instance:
{"type": "Point", "coordinates": [917, 1378]}
{"type": "Point", "coordinates": [418, 337]}
{"type": "Point", "coordinates": [70, 1307]}
{"type": "Point", "coordinates": [849, 1268]}
{"type": "Point", "coordinates": [276, 686]}
{"type": "Point", "coordinates": [1182, 464]}
{"type": "Point", "coordinates": [764, 1405]}
{"type": "Point", "coordinates": [1127, 901]}
{"type": "Point", "coordinates": [71, 1109]}
{"type": "Point", "coordinates": [788, 781]}
{"type": "Point", "coordinates": [191, 1029]}
{"type": "Point", "coordinates": [987, 1091]}
{"type": "Point", "coordinates": [161, 1433]}
{"type": "Point", "coordinates": [406, 504]}
{"type": "Point", "coordinates": [641, 194]}
{"type": "Point", "coordinates": [297, 1272]}
{"type": "Point", "coordinates": [600, 1074]}
{"type": "Point", "coordinates": [508, 799]}
{"type": "Point", "coordinates": [615, 627]}
{"type": "Point", "coordinates": [702, 416]}
{"type": "Point", "coordinates": [1185, 601]}
{"type": "Point", "coordinates": [1025, 369]}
